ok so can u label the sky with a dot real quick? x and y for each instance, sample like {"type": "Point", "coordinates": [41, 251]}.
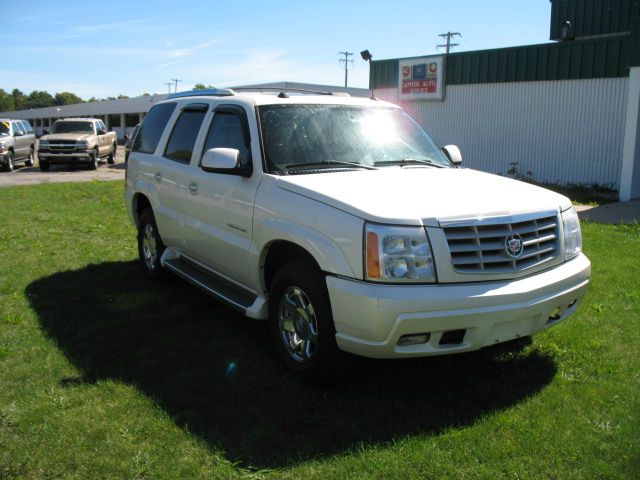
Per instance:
{"type": "Point", "coordinates": [104, 49]}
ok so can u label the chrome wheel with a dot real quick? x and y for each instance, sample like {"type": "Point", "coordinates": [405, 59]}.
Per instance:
{"type": "Point", "coordinates": [298, 324]}
{"type": "Point", "coordinates": [149, 246]}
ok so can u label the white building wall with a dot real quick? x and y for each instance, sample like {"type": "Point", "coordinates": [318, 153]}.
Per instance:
{"type": "Point", "coordinates": [562, 132]}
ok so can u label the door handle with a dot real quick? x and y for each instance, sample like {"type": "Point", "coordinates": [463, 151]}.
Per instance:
{"type": "Point", "coordinates": [158, 177]}
{"type": "Point", "coordinates": [193, 188]}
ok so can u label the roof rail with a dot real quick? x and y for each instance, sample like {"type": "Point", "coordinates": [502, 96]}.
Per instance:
{"type": "Point", "coordinates": [217, 92]}
{"type": "Point", "coordinates": [287, 89]}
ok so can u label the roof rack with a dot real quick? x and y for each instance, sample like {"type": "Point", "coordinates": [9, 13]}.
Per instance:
{"type": "Point", "coordinates": [218, 92]}
{"type": "Point", "coordinates": [283, 90]}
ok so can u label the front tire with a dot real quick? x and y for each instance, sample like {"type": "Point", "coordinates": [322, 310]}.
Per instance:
{"type": "Point", "coordinates": [10, 159]}
{"type": "Point", "coordinates": [93, 161]}
{"type": "Point", "coordinates": [150, 246]}
{"type": "Point", "coordinates": [300, 321]}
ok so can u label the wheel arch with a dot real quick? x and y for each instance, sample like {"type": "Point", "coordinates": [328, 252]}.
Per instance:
{"type": "Point", "coordinates": [279, 252]}
{"type": "Point", "coordinates": [139, 203]}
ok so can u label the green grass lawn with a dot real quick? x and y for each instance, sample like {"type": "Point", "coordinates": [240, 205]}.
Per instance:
{"type": "Point", "coordinates": [105, 375]}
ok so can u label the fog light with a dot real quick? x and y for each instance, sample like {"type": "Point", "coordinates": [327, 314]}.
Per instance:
{"type": "Point", "coordinates": [414, 339]}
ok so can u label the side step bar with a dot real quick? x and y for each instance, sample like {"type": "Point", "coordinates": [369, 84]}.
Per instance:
{"type": "Point", "coordinates": [211, 283]}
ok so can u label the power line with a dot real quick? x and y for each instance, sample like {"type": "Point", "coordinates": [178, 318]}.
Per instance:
{"type": "Point", "coordinates": [346, 61]}
{"type": "Point", "coordinates": [169, 85]}
{"type": "Point", "coordinates": [176, 80]}
{"type": "Point", "coordinates": [448, 45]}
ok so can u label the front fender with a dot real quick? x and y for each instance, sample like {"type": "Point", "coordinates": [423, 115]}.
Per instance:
{"type": "Point", "coordinates": [326, 252]}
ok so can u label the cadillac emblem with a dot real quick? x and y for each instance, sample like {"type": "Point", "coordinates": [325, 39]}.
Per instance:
{"type": "Point", "coordinates": [514, 246]}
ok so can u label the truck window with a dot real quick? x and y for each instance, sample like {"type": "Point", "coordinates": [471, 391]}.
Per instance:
{"type": "Point", "coordinates": [152, 127]}
{"type": "Point", "coordinates": [183, 136]}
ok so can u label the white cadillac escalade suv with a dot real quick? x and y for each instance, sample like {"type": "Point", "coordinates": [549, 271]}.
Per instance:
{"type": "Point", "coordinates": [340, 222]}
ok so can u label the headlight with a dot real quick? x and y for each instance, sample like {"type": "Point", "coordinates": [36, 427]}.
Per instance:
{"type": "Point", "coordinates": [572, 233]}
{"type": "Point", "coordinates": [398, 254]}
{"type": "Point", "coordinates": [82, 144]}
{"type": "Point", "coordinates": [43, 144]}
{"type": "Point", "coordinates": [3, 147]}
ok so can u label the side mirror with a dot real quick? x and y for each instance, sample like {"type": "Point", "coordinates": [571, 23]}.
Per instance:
{"type": "Point", "coordinates": [453, 153]}
{"type": "Point", "coordinates": [18, 133]}
{"type": "Point", "coordinates": [102, 131]}
{"type": "Point", "coordinates": [45, 132]}
{"type": "Point", "coordinates": [224, 160]}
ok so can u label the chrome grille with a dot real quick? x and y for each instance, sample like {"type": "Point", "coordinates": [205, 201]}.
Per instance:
{"type": "Point", "coordinates": [62, 145]}
{"type": "Point", "coordinates": [481, 247]}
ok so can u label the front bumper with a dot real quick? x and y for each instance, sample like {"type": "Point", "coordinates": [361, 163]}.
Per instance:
{"type": "Point", "coordinates": [65, 158]}
{"type": "Point", "coordinates": [370, 319]}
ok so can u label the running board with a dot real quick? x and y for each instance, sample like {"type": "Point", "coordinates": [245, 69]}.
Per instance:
{"type": "Point", "coordinates": [214, 285]}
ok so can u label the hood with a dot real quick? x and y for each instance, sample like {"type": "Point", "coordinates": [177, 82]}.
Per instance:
{"type": "Point", "coordinates": [423, 196]}
{"type": "Point", "coordinates": [66, 136]}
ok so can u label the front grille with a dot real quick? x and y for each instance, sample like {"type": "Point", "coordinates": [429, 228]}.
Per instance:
{"type": "Point", "coordinates": [482, 248]}
{"type": "Point", "coordinates": [61, 145]}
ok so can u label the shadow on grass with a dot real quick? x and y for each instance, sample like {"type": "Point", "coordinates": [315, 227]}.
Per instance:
{"type": "Point", "coordinates": [213, 371]}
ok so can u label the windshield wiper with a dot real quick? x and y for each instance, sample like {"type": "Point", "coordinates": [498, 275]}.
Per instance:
{"type": "Point", "coordinates": [409, 161]}
{"type": "Point", "coordinates": [329, 162]}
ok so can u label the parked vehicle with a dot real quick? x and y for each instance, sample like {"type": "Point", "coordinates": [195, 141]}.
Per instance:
{"type": "Point", "coordinates": [77, 140]}
{"type": "Point", "coordinates": [17, 143]}
{"type": "Point", "coordinates": [342, 223]}
{"type": "Point", "coordinates": [129, 142]}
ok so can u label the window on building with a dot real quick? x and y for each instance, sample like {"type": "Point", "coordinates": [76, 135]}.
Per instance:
{"type": "Point", "coordinates": [114, 120]}
{"type": "Point", "coordinates": [131, 119]}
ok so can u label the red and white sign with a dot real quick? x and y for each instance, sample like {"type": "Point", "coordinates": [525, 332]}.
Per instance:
{"type": "Point", "coordinates": [422, 78]}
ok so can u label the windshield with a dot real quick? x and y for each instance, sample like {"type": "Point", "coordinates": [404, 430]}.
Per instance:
{"type": "Point", "coordinates": [331, 136]}
{"type": "Point", "coordinates": [72, 127]}
{"type": "Point", "coordinates": [5, 128]}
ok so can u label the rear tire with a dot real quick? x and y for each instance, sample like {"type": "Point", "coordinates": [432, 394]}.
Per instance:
{"type": "Point", "coordinates": [29, 161]}
{"type": "Point", "coordinates": [150, 246]}
{"type": "Point", "coordinates": [112, 156]}
{"type": "Point", "coordinates": [301, 323]}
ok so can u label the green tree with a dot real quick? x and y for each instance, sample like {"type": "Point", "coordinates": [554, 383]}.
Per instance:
{"type": "Point", "coordinates": [7, 103]}
{"type": "Point", "coordinates": [39, 99]}
{"type": "Point", "coordinates": [66, 98]}
{"type": "Point", "coordinates": [201, 86]}
{"type": "Point", "coordinates": [19, 99]}
{"type": "Point", "coordinates": [121, 96]}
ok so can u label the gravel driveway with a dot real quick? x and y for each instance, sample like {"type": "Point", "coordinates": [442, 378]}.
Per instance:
{"type": "Point", "coordinates": [23, 175]}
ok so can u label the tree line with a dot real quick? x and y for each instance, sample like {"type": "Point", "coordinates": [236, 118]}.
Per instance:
{"type": "Point", "coordinates": [17, 100]}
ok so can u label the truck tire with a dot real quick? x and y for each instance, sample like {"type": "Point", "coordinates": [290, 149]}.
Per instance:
{"type": "Point", "coordinates": [29, 161]}
{"type": "Point", "coordinates": [93, 161]}
{"type": "Point", "coordinates": [10, 159]}
{"type": "Point", "coordinates": [44, 165]}
{"type": "Point", "coordinates": [150, 246]}
{"type": "Point", "coordinates": [111, 159]}
{"type": "Point", "coordinates": [301, 322]}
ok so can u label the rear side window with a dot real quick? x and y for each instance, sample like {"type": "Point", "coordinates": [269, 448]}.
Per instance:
{"type": "Point", "coordinates": [27, 126]}
{"type": "Point", "coordinates": [152, 128]}
{"type": "Point", "coordinates": [183, 137]}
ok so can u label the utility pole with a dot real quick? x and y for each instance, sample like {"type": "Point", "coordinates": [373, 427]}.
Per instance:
{"type": "Point", "coordinates": [448, 45]}
{"type": "Point", "coordinates": [346, 61]}
{"type": "Point", "coordinates": [169, 85]}
{"type": "Point", "coordinates": [176, 80]}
